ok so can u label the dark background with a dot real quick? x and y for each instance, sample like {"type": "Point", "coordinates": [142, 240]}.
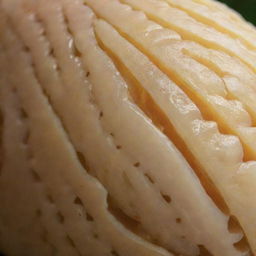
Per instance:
{"type": "Point", "coordinates": [246, 7]}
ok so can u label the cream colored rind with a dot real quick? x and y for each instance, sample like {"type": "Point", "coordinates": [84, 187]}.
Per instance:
{"type": "Point", "coordinates": [61, 56]}
{"type": "Point", "coordinates": [104, 138]}
{"type": "Point", "coordinates": [45, 126]}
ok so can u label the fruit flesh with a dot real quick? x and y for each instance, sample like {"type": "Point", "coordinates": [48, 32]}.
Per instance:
{"type": "Point", "coordinates": [115, 127]}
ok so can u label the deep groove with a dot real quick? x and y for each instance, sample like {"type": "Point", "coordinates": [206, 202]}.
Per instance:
{"type": "Point", "coordinates": [242, 245]}
{"type": "Point", "coordinates": [221, 74]}
{"type": "Point", "coordinates": [83, 161]}
{"type": "Point", "coordinates": [211, 23]}
{"type": "Point", "coordinates": [131, 224]}
{"type": "Point", "coordinates": [186, 36]}
{"type": "Point", "coordinates": [210, 115]}
{"type": "Point", "coordinates": [77, 53]}
{"type": "Point", "coordinates": [142, 98]}
{"type": "Point", "coordinates": [248, 153]}
{"type": "Point", "coordinates": [204, 62]}
{"type": "Point", "coordinates": [233, 225]}
{"type": "Point", "coordinates": [69, 32]}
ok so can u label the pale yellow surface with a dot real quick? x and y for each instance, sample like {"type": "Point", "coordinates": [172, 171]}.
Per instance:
{"type": "Point", "coordinates": [128, 128]}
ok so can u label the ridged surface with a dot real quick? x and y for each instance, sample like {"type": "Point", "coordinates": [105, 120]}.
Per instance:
{"type": "Point", "coordinates": [127, 128]}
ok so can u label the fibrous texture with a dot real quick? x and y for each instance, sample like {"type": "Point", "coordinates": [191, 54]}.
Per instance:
{"type": "Point", "coordinates": [127, 128]}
